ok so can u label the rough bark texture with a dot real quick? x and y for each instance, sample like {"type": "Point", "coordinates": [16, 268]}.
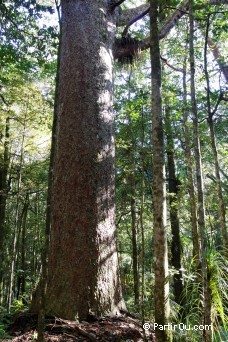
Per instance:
{"type": "Point", "coordinates": [159, 188]}
{"type": "Point", "coordinates": [83, 267]}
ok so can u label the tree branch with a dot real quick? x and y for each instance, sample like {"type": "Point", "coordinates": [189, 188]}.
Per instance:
{"type": "Point", "coordinates": [220, 98]}
{"type": "Point", "coordinates": [130, 14]}
{"type": "Point", "coordinates": [4, 100]}
{"type": "Point", "coordinates": [171, 66]}
{"type": "Point", "coordinates": [58, 6]}
{"type": "Point", "coordinates": [126, 50]}
{"type": "Point", "coordinates": [215, 51]}
{"type": "Point", "coordinates": [134, 21]}
{"type": "Point", "coordinates": [218, 57]}
{"type": "Point", "coordinates": [171, 21]}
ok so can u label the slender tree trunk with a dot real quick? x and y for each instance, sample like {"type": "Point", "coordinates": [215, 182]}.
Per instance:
{"type": "Point", "coordinates": [4, 165]}
{"type": "Point", "coordinates": [133, 204]}
{"type": "Point", "coordinates": [14, 247]}
{"type": "Point", "coordinates": [134, 236]}
{"type": "Point", "coordinates": [189, 162]}
{"type": "Point", "coordinates": [23, 243]}
{"type": "Point", "coordinates": [221, 205]}
{"type": "Point", "coordinates": [16, 230]}
{"type": "Point", "coordinates": [174, 219]}
{"type": "Point", "coordinates": [214, 46]}
{"type": "Point", "coordinates": [162, 309]}
{"type": "Point", "coordinates": [83, 275]}
{"type": "Point", "coordinates": [35, 247]}
{"type": "Point", "coordinates": [197, 151]}
{"type": "Point", "coordinates": [142, 222]}
{"type": "Point", "coordinates": [201, 210]}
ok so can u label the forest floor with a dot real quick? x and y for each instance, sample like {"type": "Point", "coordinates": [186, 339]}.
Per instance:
{"type": "Point", "coordinates": [118, 329]}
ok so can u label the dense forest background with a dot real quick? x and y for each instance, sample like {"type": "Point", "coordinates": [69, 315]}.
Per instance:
{"type": "Point", "coordinates": [195, 138]}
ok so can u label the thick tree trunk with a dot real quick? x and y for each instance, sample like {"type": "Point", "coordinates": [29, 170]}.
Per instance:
{"type": "Point", "coordinates": [162, 309]}
{"type": "Point", "coordinates": [83, 275]}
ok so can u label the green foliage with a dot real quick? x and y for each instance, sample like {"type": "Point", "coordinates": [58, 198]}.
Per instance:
{"type": "Point", "coordinates": [5, 321]}
{"type": "Point", "coordinates": [218, 282]}
{"type": "Point", "coordinates": [3, 334]}
{"type": "Point", "coordinates": [20, 305]}
{"type": "Point", "coordinates": [193, 297]}
{"type": "Point", "coordinates": [26, 42]}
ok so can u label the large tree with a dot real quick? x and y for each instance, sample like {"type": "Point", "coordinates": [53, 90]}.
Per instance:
{"type": "Point", "coordinates": [83, 276]}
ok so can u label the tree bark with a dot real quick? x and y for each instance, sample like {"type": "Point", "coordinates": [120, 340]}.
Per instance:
{"type": "Point", "coordinates": [191, 190]}
{"type": "Point", "coordinates": [142, 220]}
{"type": "Point", "coordinates": [174, 219]}
{"type": "Point", "coordinates": [4, 166]}
{"type": "Point", "coordinates": [83, 275]}
{"type": "Point", "coordinates": [221, 205]}
{"type": "Point", "coordinates": [161, 293]}
{"type": "Point", "coordinates": [207, 334]}
{"type": "Point", "coordinates": [134, 235]}
{"type": "Point", "coordinates": [199, 175]}
{"type": "Point", "coordinates": [23, 244]}
{"type": "Point", "coordinates": [132, 184]}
